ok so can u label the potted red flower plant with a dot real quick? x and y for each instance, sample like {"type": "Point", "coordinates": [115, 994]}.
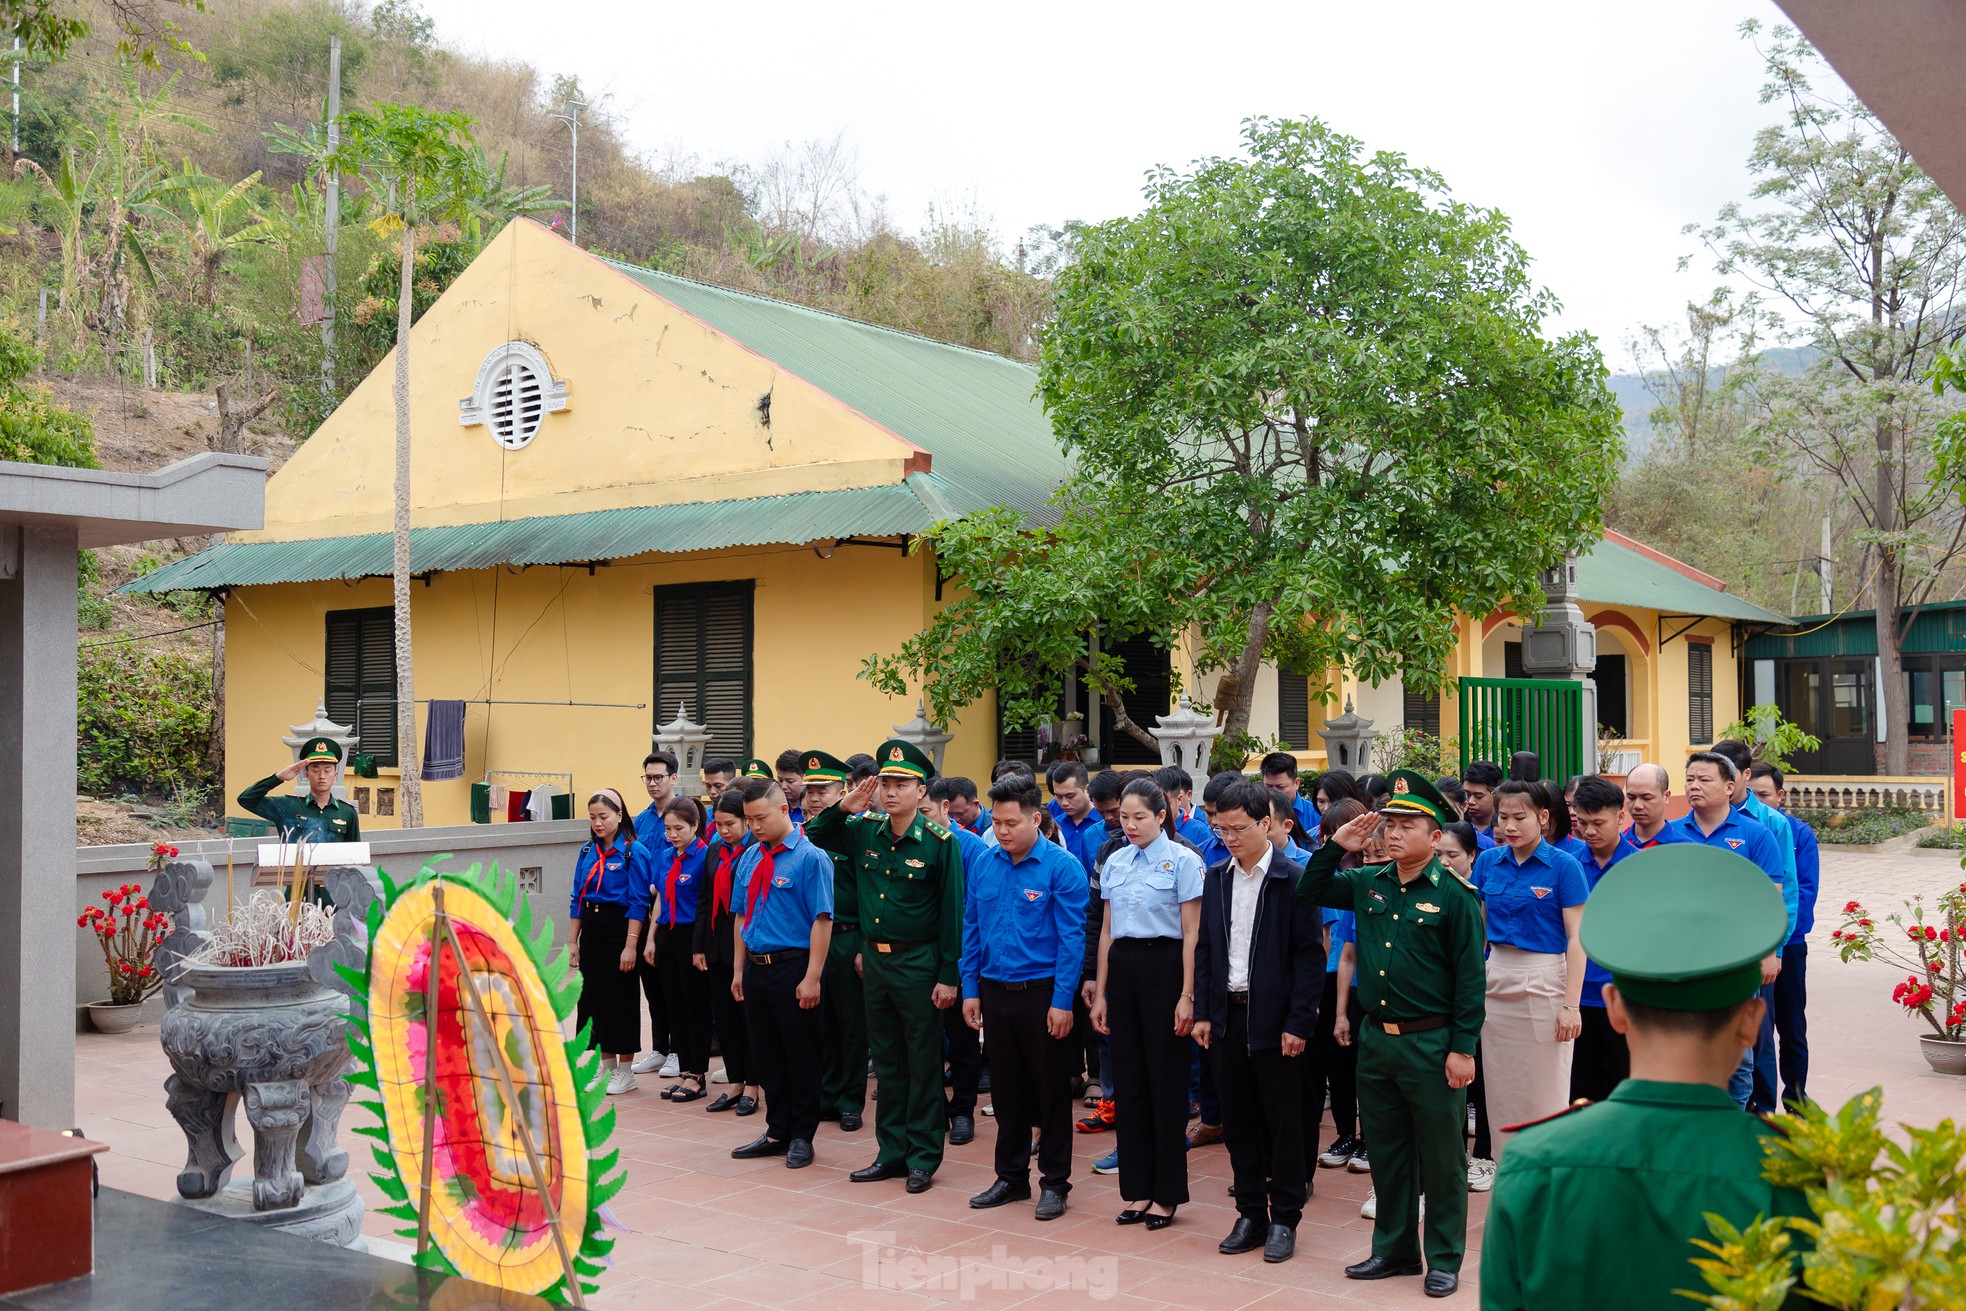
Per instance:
{"type": "Point", "coordinates": [128, 932]}
{"type": "Point", "coordinates": [1924, 940]}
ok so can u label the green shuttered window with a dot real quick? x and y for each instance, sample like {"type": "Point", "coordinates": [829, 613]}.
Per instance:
{"type": "Point", "coordinates": [1699, 693]}
{"type": "Point", "coordinates": [362, 678]}
{"type": "Point", "coordinates": [703, 661]}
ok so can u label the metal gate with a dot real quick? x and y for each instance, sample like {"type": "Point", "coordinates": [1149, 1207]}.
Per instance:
{"type": "Point", "coordinates": [1501, 716]}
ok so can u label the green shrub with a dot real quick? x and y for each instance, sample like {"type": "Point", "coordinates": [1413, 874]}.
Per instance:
{"type": "Point", "coordinates": [143, 722]}
{"type": "Point", "coordinates": [1947, 839]}
{"type": "Point", "coordinates": [1845, 828]}
{"type": "Point", "coordinates": [93, 612]}
{"type": "Point", "coordinates": [1409, 748]}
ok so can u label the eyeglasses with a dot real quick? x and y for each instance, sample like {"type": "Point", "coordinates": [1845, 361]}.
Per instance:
{"type": "Point", "coordinates": [1224, 830]}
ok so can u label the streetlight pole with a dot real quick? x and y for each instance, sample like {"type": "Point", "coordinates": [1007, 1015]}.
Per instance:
{"type": "Point", "coordinates": [572, 119]}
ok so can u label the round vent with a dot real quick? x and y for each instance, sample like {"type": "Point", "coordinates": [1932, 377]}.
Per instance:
{"type": "Point", "coordinates": [514, 391]}
{"type": "Point", "coordinates": [517, 405]}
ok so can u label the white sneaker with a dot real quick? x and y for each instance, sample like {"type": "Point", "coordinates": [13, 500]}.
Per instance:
{"type": "Point", "coordinates": [1370, 1209]}
{"type": "Point", "coordinates": [1481, 1174]}
{"type": "Point", "coordinates": [621, 1080]}
{"type": "Point", "coordinates": [671, 1068]}
{"type": "Point", "coordinates": [650, 1063]}
{"type": "Point", "coordinates": [721, 1075]}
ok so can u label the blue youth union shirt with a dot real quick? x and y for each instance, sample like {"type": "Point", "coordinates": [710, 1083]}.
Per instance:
{"type": "Point", "coordinates": [622, 880]}
{"type": "Point", "coordinates": [801, 891]}
{"type": "Point", "coordinates": [1742, 836]}
{"type": "Point", "coordinates": [1525, 899]}
{"type": "Point", "coordinates": [1595, 975]}
{"type": "Point", "coordinates": [1147, 885]}
{"type": "Point", "coordinates": [1024, 920]}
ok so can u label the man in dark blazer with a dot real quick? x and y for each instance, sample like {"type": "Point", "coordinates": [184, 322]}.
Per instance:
{"type": "Point", "coordinates": [1259, 974]}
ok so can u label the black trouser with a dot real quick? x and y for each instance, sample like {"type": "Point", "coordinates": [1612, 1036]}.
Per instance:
{"type": "Point", "coordinates": [1483, 1148]}
{"type": "Point", "coordinates": [785, 1044]}
{"type": "Point", "coordinates": [1791, 1024]}
{"type": "Point", "coordinates": [1085, 1038]}
{"type": "Point", "coordinates": [963, 1047]}
{"type": "Point", "coordinates": [1336, 1066]}
{"type": "Point", "coordinates": [1150, 1069]}
{"type": "Point", "coordinates": [1030, 1082]}
{"type": "Point", "coordinates": [607, 992]}
{"type": "Point", "coordinates": [660, 1039]}
{"type": "Point", "coordinates": [1262, 1122]}
{"type": "Point", "coordinates": [1601, 1061]}
{"type": "Point", "coordinates": [685, 996]}
{"type": "Point", "coordinates": [733, 1035]}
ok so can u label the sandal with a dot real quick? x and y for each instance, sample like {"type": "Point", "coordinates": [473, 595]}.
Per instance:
{"type": "Point", "coordinates": [682, 1094]}
{"type": "Point", "coordinates": [669, 1093]}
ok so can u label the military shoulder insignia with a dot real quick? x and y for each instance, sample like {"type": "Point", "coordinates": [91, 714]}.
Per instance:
{"type": "Point", "coordinates": [1462, 879]}
{"type": "Point", "coordinates": [936, 829]}
{"type": "Point", "coordinates": [1571, 1109]}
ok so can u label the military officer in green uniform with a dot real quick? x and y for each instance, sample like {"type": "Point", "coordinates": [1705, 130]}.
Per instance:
{"type": "Point", "coordinates": [908, 883]}
{"type": "Point", "coordinates": [1683, 930]}
{"type": "Point", "coordinates": [756, 768]}
{"type": "Point", "coordinates": [316, 817]}
{"type": "Point", "coordinates": [1421, 981]}
{"type": "Point", "coordinates": [842, 999]}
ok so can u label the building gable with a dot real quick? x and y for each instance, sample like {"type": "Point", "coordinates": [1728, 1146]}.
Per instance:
{"type": "Point", "coordinates": [660, 408]}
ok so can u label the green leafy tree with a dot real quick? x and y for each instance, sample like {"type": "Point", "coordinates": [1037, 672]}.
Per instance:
{"type": "Point", "coordinates": [33, 429]}
{"type": "Point", "coordinates": [1311, 413]}
{"type": "Point", "coordinates": [1773, 738]}
{"type": "Point", "coordinates": [219, 221]}
{"type": "Point", "coordinates": [1866, 261]}
{"type": "Point", "coordinates": [142, 27]}
{"type": "Point", "coordinates": [425, 162]}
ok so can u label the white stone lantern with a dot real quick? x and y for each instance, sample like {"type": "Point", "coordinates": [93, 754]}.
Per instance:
{"type": "Point", "coordinates": [933, 739]}
{"type": "Point", "coordinates": [302, 734]}
{"type": "Point", "coordinates": [687, 740]}
{"type": "Point", "coordinates": [1186, 738]}
{"type": "Point", "coordinates": [1348, 741]}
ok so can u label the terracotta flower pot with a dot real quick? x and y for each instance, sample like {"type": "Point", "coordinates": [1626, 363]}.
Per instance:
{"type": "Point", "coordinates": [1945, 1055]}
{"type": "Point", "coordinates": [115, 1017]}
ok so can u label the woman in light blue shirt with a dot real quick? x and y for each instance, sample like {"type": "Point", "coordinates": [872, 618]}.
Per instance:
{"type": "Point", "coordinates": [1144, 997]}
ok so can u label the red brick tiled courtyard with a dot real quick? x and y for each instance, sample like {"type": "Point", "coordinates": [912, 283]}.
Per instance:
{"type": "Point", "coordinates": [706, 1231]}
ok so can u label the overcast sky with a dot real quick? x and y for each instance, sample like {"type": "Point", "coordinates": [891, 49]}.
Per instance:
{"type": "Point", "coordinates": [1600, 129]}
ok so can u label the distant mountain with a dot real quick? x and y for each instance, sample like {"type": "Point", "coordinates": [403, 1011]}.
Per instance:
{"type": "Point", "coordinates": [1637, 403]}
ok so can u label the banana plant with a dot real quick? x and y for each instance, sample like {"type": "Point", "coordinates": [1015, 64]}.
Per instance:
{"type": "Point", "coordinates": [220, 220]}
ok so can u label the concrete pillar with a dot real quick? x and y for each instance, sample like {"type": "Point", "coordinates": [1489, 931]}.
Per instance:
{"type": "Point", "coordinates": [1562, 644]}
{"type": "Point", "coordinates": [37, 825]}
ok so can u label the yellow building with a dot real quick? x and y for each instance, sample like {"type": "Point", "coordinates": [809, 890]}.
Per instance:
{"type": "Point", "coordinates": [633, 493]}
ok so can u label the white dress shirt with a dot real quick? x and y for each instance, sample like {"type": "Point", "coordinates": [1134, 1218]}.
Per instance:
{"type": "Point", "coordinates": [1245, 889]}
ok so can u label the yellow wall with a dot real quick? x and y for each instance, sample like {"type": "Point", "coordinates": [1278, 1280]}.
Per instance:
{"type": "Point", "coordinates": [562, 633]}
{"type": "Point", "coordinates": [661, 410]}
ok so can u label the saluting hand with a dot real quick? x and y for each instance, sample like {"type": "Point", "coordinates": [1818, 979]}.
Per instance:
{"type": "Point", "coordinates": [1354, 835]}
{"type": "Point", "coordinates": [291, 772]}
{"type": "Point", "coordinates": [860, 795]}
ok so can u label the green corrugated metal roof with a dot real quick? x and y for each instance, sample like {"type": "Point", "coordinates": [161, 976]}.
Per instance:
{"type": "Point", "coordinates": [1938, 629]}
{"type": "Point", "coordinates": [910, 507]}
{"type": "Point", "coordinates": [1611, 574]}
{"type": "Point", "coordinates": [975, 413]}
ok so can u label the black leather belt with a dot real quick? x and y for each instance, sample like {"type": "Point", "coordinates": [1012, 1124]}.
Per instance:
{"type": "Point", "coordinates": [1239, 999]}
{"type": "Point", "coordinates": [1025, 986]}
{"type": "Point", "coordinates": [1400, 1027]}
{"type": "Point", "coordinates": [775, 957]}
{"type": "Point", "coordinates": [884, 948]}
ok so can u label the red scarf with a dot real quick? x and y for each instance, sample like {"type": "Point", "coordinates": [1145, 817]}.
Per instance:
{"type": "Point", "coordinates": [593, 881]}
{"type": "Point", "coordinates": [760, 882]}
{"type": "Point", "coordinates": [726, 872]}
{"type": "Point", "coordinates": [669, 885]}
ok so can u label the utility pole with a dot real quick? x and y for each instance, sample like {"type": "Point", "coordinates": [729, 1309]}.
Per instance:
{"type": "Point", "coordinates": [15, 138]}
{"type": "Point", "coordinates": [330, 219]}
{"type": "Point", "coordinates": [1823, 568]}
{"type": "Point", "coordinates": [572, 119]}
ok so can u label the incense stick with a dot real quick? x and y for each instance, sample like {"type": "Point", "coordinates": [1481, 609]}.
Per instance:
{"type": "Point", "coordinates": [228, 880]}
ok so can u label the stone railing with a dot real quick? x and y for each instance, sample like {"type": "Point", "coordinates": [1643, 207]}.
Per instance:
{"type": "Point", "coordinates": [540, 854]}
{"type": "Point", "coordinates": [1927, 795]}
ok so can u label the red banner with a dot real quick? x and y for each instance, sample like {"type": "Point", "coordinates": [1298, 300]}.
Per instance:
{"type": "Point", "coordinates": [1959, 764]}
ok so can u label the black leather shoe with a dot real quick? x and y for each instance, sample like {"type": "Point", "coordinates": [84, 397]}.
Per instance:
{"type": "Point", "coordinates": [762, 1146]}
{"type": "Point", "coordinates": [1281, 1245]}
{"type": "Point", "coordinates": [1051, 1204]}
{"type": "Point", "coordinates": [747, 1105]}
{"type": "Point", "coordinates": [1157, 1221]}
{"type": "Point", "coordinates": [799, 1154]}
{"type": "Point", "coordinates": [1247, 1236]}
{"type": "Point", "coordinates": [920, 1181]}
{"type": "Point", "coordinates": [849, 1122]}
{"type": "Point", "coordinates": [1132, 1215]}
{"type": "Point", "coordinates": [1378, 1267]}
{"type": "Point", "coordinates": [962, 1131]}
{"type": "Point", "coordinates": [876, 1172]}
{"type": "Point", "coordinates": [724, 1102]}
{"type": "Point", "coordinates": [1442, 1283]}
{"type": "Point", "coordinates": [999, 1193]}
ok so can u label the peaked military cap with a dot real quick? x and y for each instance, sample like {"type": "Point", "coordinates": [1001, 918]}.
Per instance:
{"type": "Point", "coordinates": [824, 768]}
{"type": "Point", "coordinates": [320, 748]}
{"type": "Point", "coordinates": [898, 756]}
{"type": "Point", "coordinates": [756, 768]}
{"type": "Point", "coordinates": [1415, 794]}
{"type": "Point", "coordinates": [1684, 927]}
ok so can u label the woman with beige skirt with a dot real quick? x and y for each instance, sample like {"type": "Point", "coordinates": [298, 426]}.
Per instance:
{"type": "Point", "coordinates": [1533, 895]}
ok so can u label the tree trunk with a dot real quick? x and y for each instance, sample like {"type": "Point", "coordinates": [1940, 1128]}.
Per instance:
{"type": "Point", "coordinates": [215, 751]}
{"type": "Point", "coordinates": [410, 792]}
{"type": "Point", "coordinates": [1895, 707]}
{"type": "Point", "coordinates": [1124, 722]}
{"type": "Point", "coordinates": [1245, 669]}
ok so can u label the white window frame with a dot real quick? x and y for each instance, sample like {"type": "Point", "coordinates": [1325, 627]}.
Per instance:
{"type": "Point", "coordinates": [478, 407]}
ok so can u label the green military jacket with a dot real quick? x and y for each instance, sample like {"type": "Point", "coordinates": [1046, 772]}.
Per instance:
{"type": "Point", "coordinates": [906, 889]}
{"type": "Point", "coordinates": [298, 818]}
{"type": "Point", "coordinates": [846, 896]}
{"type": "Point", "coordinates": [1598, 1207]}
{"type": "Point", "coordinates": [1420, 945]}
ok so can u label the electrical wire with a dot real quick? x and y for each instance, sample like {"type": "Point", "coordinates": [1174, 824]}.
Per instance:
{"type": "Point", "coordinates": [138, 637]}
